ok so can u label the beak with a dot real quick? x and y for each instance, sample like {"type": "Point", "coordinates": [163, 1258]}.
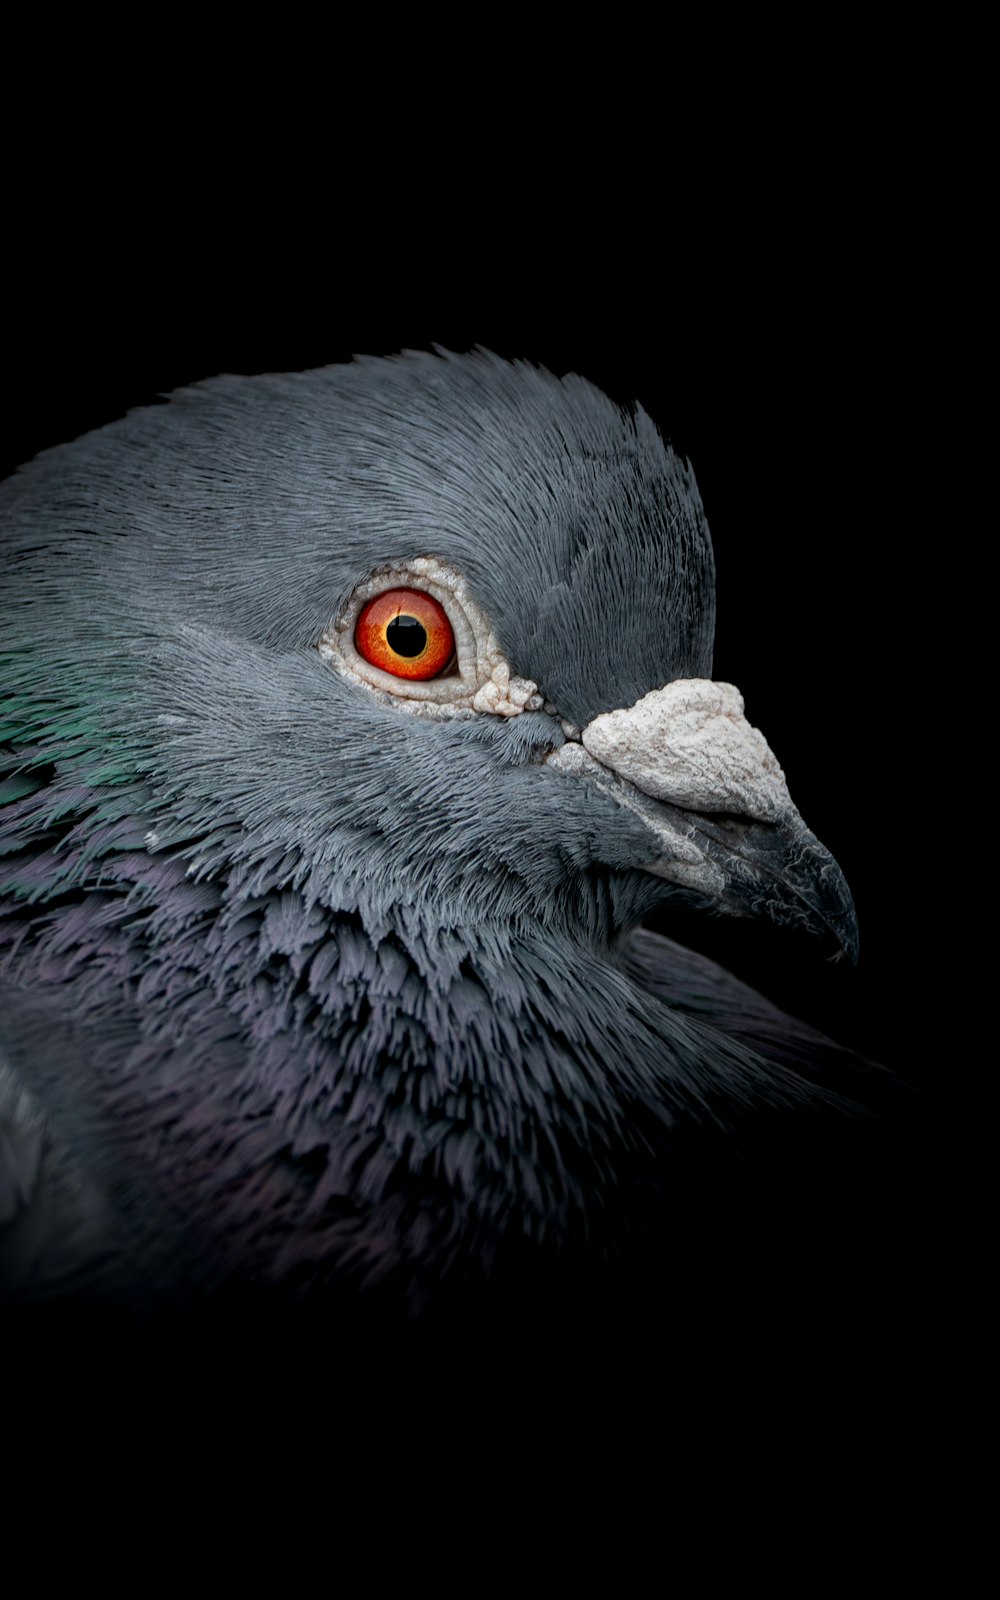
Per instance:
{"type": "Point", "coordinates": [716, 807]}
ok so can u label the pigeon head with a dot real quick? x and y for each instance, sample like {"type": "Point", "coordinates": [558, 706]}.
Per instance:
{"type": "Point", "coordinates": [353, 719]}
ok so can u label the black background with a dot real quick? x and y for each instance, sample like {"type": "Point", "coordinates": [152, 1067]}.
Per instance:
{"type": "Point", "coordinates": [767, 234]}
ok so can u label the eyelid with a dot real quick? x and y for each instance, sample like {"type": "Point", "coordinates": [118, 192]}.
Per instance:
{"type": "Point", "coordinates": [436, 690]}
{"type": "Point", "coordinates": [480, 681]}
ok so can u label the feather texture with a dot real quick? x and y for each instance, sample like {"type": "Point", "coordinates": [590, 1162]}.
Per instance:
{"type": "Point", "coordinates": [306, 992]}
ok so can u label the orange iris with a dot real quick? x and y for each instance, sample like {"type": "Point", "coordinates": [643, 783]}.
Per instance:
{"type": "Point", "coordinates": [405, 632]}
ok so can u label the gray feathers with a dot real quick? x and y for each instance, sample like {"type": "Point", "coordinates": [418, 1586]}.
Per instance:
{"type": "Point", "coordinates": [313, 991]}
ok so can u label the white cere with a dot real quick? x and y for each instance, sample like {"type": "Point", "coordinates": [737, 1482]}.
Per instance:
{"type": "Point", "coordinates": [690, 744]}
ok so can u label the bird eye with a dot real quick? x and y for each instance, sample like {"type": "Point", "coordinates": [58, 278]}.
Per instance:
{"type": "Point", "coordinates": [412, 633]}
{"type": "Point", "coordinates": [405, 632]}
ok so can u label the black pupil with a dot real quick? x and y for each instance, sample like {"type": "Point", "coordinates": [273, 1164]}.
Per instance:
{"type": "Point", "coordinates": [406, 635]}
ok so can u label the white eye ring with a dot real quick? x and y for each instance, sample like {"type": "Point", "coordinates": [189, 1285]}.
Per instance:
{"type": "Point", "coordinates": [479, 680]}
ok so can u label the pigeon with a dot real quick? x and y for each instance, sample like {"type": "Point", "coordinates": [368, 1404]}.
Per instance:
{"type": "Point", "coordinates": [354, 724]}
